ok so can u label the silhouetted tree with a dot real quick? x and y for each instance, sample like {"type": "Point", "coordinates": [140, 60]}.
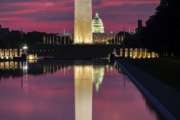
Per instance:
{"type": "Point", "coordinates": [162, 29]}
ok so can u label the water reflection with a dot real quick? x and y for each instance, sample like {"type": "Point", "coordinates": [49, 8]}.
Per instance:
{"type": "Point", "coordinates": [98, 76]}
{"type": "Point", "coordinates": [70, 91]}
{"type": "Point", "coordinates": [83, 76]}
{"type": "Point", "coordinates": [16, 69]}
{"type": "Point", "coordinates": [25, 75]}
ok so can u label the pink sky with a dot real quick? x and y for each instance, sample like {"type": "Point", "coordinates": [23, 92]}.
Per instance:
{"type": "Point", "coordinates": [57, 15]}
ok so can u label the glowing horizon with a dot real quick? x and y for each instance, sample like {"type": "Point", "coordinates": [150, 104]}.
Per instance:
{"type": "Point", "coordinates": [57, 15]}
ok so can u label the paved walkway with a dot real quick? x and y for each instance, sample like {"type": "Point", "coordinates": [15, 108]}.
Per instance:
{"type": "Point", "coordinates": [165, 99]}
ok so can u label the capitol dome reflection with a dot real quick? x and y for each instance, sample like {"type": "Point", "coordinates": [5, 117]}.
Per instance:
{"type": "Point", "coordinates": [98, 76]}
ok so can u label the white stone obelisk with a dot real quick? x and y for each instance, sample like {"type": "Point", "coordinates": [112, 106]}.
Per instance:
{"type": "Point", "coordinates": [83, 22]}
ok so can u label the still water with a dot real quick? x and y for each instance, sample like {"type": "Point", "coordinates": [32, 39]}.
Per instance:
{"type": "Point", "coordinates": [69, 91]}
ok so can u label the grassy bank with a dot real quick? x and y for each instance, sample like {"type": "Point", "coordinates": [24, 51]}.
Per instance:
{"type": "Point", "coordinates": [165, 69]}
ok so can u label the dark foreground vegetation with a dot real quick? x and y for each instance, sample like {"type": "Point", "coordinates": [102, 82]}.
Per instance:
{"type": "Point", "coordinates": [161, 33]}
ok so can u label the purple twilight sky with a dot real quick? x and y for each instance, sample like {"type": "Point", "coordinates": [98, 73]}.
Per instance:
{"type": "Point", "coordinates": [57, 15]}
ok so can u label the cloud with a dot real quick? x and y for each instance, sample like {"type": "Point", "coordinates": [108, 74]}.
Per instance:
{"type": "Point", "coordinates": [61, 12]}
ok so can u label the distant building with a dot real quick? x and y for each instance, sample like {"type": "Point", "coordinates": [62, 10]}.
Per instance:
{"type": "Point", "coordinates": [122, 37]}
{"type": "Point", "coordinates": [4, 30]}
{"type": "Point", "coordinates": [139, 26]}
{"type": "Point", "coordinates": [140, 23]}
{"type": "Point", "coordinates": [97, 24]}
{"type": "Point", "coordinates": [103, 38]}
{"type": "Point", "coordinates": [99, 36]}
{"type": "Point", "coordinates": [57, 39]}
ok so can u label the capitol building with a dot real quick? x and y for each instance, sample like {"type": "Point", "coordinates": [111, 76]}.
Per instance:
{"type": "Point", "coordinates": [98, 30]}
{"type": "Point", "coordinates": [97, 24]}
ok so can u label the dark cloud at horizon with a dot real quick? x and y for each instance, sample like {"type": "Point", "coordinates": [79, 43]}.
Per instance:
{"type": "Point", "coordinates": [57, 15]}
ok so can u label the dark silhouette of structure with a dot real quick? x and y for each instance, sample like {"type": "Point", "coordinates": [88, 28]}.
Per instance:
{"type": "Point", "coordinates": [161, 33]}
{"type": "Point", "coordinates": [124, 39]}
{"type": "Point", "coordinates": [48, 45]}
{"type": "Point", "coordinates": [16, 39]}
{"type": "Point", "coordinates": [139, 26]}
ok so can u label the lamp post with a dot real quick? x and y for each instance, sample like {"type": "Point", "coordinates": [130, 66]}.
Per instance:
{"type": "Point", "coordinates": [24, 52]}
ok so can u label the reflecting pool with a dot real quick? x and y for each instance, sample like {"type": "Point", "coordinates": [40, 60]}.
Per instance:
{"type": "Point", "coordinates": [70, 91]}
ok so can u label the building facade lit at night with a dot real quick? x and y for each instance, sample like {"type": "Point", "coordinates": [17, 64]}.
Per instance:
{"type": "Point", "coordinates": [97, 24]}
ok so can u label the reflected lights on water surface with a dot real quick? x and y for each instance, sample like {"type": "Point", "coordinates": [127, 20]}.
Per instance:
{"type": "Point", "coordinates": [72, 92]}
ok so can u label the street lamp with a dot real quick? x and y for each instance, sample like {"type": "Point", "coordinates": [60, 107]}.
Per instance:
{"type": "Point", "coordinates": [25, 47]}
{"type": "Point", "coordinates": [24, 52]}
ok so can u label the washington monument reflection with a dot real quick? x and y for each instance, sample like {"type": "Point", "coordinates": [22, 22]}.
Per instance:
{"type": "Point", "coordinates": [84, 77]}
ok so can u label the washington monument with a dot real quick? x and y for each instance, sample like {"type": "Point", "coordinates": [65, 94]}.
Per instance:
{"type": "Point", "coordinates": [83, 22]}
